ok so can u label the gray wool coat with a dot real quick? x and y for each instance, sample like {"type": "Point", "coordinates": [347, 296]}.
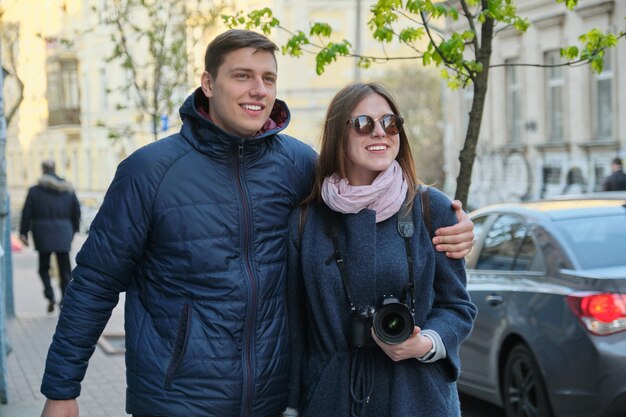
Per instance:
{"type": "Point", "coordinates": [328, 377]}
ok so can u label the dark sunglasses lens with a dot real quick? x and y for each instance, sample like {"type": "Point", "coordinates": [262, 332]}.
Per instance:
{"type": "Point", "coordinates": [391, 124]}
{"type": "Point", "coordinates": [363, 125]}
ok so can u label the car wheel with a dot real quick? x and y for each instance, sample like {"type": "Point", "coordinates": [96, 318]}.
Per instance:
{"type": "Point", "coordinates": [524, 390]}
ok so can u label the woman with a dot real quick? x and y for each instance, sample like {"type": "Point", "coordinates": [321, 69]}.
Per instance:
{"type": "Point", "coordinates": [350, 269]}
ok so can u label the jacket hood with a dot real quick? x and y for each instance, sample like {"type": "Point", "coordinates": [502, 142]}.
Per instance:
{"type": "Point", "coordinates": [55, 183]}
{"type": "Point", "coordinates": [207, 136]}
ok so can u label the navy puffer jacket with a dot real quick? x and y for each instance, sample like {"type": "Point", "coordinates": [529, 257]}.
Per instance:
{"type": "Point", "coordinates": [194, 229]}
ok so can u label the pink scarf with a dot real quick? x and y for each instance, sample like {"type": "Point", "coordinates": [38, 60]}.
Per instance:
{"type": "Point", "coordinates": [385, 195]}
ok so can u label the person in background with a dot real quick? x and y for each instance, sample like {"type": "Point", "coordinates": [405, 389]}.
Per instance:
{"type": "Point", "coordinates": [616, 181]}
{"type": "Point", "coordinates": [52, 214]}
{"type": "Point", "coordinates": [376, 315]}
{"type": "Point", "coordinates": [194, 229]}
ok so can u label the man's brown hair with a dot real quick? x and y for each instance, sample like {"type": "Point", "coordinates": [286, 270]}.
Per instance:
{"type": "Point", "coordinates": [233, 40]}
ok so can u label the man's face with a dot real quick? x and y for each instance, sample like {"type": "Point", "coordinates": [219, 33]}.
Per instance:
{"type": "Point", "coordinates": [242, 94]}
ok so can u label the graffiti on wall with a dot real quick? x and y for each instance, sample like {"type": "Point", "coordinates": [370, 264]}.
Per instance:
{"type": "Point", "coordinates": [502, 175]}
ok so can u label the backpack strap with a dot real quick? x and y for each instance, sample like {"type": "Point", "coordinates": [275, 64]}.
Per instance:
{"type": "Point", "coordinates": [302, 222]}
{"type": "Point", "coordinates": [425, 200]}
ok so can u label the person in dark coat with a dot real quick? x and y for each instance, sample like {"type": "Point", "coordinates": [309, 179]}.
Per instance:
{"type": "Point", "coordinates": [617, 180]}
{"type": "Point", "coordinates": [376, 315]}
{"type": "Point", "coordinates": [194, 229]}
{"type": "Point", "coordinates": [52, 214]}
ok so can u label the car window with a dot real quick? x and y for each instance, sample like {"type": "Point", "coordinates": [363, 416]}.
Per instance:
{"type": "Point", "coordinates": [597, 242]}
{"type": "Point", "coordinates": [502, 243]}
{"type": "Point", "coordinates": [479, 226]}
{"type": "Point", "coordinates": [529, 258]}
{"type": "Point", "coordinates": [479, 229]}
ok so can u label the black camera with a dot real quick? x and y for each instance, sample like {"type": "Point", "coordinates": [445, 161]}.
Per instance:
{"type": "Point", "coordinates": [392, 321]}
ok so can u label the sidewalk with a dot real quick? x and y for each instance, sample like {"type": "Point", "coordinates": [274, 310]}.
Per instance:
{"type": "Point", "coordinates": [30, 334]}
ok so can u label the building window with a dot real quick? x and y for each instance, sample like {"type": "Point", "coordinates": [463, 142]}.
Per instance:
{"type": "Point", "coordinates": [552, 175]}
{"type": "Point", "coordinates": [555, 100]}
{"type": "Point", "coordinates": [63, 95]}
{"type": "Point", "coordinates": [513, 102]}
{"type": "Point", "coordinates": [602, 108]}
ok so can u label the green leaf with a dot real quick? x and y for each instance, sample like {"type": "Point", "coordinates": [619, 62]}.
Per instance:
{"type": "Point", "coordinates": [329, 54]}
{"type": "Point", "coordinates": [414, 6]}
{"type": "Point", "coordinates": [410, 35]}
{"type": "Point", "coordinates": [383, 34]}
{"type": "Point", "coordinates": [364, 62]}
{"type": "Point", "coordinates": [570, 4]}
{"type": "Point", "coordinates": [426, 58]}
{"type": "Point", "coordinates": [570, 53]}
{"type": "Point", "coordinates": [321, 29]}
{"type": "Point", "coordinates": [293, 46]}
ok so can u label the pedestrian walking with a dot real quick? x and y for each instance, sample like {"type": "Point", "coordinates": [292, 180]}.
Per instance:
{"type": "Point", "coordinates": [52, 214]}
{"type": "Point", "coordinates": [616, 181]}
{"type": "Point", "coordinates": [194, 229]}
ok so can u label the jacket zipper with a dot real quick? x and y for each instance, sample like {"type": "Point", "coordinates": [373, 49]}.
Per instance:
{"type": "Point", "coordinates": [252, 290]}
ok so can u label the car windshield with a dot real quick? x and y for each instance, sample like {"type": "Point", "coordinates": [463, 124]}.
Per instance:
{"type": "Point", "coordinates": [597, 242]}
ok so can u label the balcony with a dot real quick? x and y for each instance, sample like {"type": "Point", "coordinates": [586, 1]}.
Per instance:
{"type": "Point", "coordinates": [68, 116]}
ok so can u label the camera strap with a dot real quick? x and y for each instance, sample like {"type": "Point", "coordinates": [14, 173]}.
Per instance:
{"type": "Point", "coordinates": [406, 229]}
{"type": "Point", "coordinates": [332, 226]}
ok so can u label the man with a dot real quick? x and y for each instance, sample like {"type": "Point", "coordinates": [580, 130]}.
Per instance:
{"type": "Point", "coordinates": [617, 180]}
{"type": "Point", "coordinates": [52, 213]}
{"type": "Point", "coordinates": [193, 228]}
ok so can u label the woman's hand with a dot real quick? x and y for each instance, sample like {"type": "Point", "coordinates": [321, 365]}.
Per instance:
{"type": "Point", "coordinates": [414, 347]}
{"type": "Point", "coordinates": [456, 240]}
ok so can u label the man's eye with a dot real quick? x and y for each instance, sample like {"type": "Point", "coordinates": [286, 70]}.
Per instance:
{"type": "Point", "coordinates": [270, 80]}
{"type": "Point", "coordinates": [242, 76]}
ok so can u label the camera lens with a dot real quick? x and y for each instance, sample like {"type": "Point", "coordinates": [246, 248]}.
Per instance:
{"type": "Point", "coordinates": [393, 323]}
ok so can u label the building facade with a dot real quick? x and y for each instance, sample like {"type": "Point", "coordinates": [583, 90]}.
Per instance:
{"type": "Point", "coordinates": [545, 131]}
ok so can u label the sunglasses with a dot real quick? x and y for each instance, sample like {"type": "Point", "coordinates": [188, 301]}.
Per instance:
{"type": "Point", "coordinates": [364, 125]}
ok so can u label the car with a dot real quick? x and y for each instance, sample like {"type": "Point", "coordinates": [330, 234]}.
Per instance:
{"type": "Point", "coordinates": [549, 281]}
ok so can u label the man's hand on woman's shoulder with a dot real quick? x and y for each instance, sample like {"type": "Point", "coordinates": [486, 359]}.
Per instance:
{"type": "Point", "coordinates": [456, 240]}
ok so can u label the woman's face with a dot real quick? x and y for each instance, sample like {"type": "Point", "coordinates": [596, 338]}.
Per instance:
{"type": "Point", "coordinates": [370, 154]}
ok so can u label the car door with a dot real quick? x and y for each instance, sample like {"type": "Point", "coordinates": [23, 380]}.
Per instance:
{"type": "Point", "coordinates": [504, 251]}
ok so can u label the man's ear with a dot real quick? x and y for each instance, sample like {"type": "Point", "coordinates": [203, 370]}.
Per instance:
{"type": "Point", "coordinates": [207, 84]}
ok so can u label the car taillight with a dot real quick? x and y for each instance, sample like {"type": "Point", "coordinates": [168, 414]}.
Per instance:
{"type": "Point", "coordinates": [601, 313]}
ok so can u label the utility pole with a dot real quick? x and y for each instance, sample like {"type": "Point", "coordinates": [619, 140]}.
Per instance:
{"type": "Point", "coordinates": [3, 218]}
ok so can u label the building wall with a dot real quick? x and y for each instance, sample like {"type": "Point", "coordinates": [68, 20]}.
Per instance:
{"type": "Point", "coordinates": [536, 165]}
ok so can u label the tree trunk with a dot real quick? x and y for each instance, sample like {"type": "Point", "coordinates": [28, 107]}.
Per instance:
{"type": "Point", "coordinates": [468, 154]}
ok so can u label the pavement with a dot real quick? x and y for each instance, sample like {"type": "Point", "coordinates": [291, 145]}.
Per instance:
{"type": "Point", "coordinates": [30, 334]}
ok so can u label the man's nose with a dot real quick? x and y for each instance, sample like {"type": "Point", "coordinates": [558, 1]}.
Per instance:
{"type": "Point", "coordinates": [258, 88]}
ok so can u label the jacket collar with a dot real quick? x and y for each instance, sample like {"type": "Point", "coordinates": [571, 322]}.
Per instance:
{"type": "Point", "coordinates": [209, 138]}
{"type": "Point", "coordinates": [55, 183]}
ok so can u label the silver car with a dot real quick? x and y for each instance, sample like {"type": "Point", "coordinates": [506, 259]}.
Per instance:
{"type": "Point", "coordinates": [549, 281]}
